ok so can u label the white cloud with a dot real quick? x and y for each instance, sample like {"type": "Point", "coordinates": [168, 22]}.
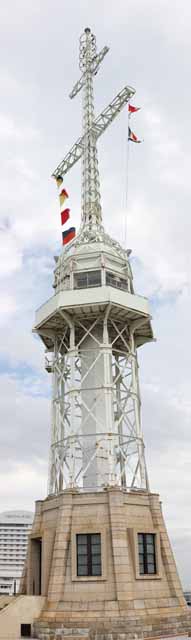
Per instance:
{"type": "Point", "coordinates": [23, 484]}
{"type": "Point", "coordinates": [25, 410]}
{"type": "Point", "coordinates": [19, 346]}
{"type": "Point", "coordinates": [7, 305]}
{"type": "Point", "coordinates": [10, 129]}
{"type": "Point", "coordinates": [11, 255]}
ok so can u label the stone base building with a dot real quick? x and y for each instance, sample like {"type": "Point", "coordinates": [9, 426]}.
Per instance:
{"type": "Point", "coordinates": [118, 539]}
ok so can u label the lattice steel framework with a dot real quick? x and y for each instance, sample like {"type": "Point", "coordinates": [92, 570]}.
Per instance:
{"type": "Point", "coordinates": [96, 427]}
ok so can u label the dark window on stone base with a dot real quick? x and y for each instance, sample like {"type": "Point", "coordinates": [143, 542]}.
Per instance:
{"type": "Point", "coordinates": [25, 630]}
{"type": "Point", "coordinates": [89, 554]}
{"type": "Point", "coordinates": [147, 553]}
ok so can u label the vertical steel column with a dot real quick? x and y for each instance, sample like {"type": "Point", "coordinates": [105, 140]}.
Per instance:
{"type": "Point", "coordinates": [52, 484]}
{"type": "Point", "coordinates": [141, 466]}
{"type": "Point", "coordinates": [108, 392]}
{"type": "Point", "coordinates": [91, 201]}
{"type": "Point", "coordinates": [119, 416]}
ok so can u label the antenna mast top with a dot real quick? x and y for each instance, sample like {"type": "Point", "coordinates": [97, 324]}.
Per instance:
{"type": "Point", "coordinates": [89, 63]}
{"type": "Point", "coordinates": [92, 129]}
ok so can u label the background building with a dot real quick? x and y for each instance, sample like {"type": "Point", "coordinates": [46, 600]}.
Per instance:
{"type": "Point", "coordinates": [14, 529]}
{"type": "Point", "coordinates": [187, 595]}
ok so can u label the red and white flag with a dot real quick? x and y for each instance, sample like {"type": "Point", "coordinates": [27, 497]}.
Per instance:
{"type": "Point", "coordinates": [132, 137]}
{"type": "Point", "coordinates": [133, 109]}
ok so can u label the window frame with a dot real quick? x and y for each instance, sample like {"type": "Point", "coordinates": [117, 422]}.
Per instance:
{"type": "Point", "coordinates": [116, 280]}
{"type": "Point", "coordinates": [87, 530]}
{"type": "Point", "coordinates": [86, 275]}
{"type": "Point", "coordinates": [133, 538]}
{"type": "Point", "coordinates": [89, 555]}
{"type": "Point", "coordinates": [145, 553]}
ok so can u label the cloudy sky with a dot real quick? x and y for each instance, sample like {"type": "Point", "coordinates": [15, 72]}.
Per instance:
{"type": "Point", "coordinates": [150, 49]}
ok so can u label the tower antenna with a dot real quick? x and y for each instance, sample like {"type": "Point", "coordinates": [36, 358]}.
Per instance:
{"type": "Point", "coordinates": [92, 129]}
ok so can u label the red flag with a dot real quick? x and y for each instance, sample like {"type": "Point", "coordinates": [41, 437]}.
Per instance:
{"type": "Point", "coordinates": [132, 109]}
{"type": "Point", "coordinates": [132, 137]}
{"type": "Point", "coordinates": [68, 235]}
{"type": "Point", "coordinates": [65, 215]}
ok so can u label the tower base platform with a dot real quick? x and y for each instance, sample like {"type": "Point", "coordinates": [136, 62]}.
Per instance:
{"type": "Point", "coordinates": [123, 629]}
{"type": "Point", "coordinates": [125, 600]}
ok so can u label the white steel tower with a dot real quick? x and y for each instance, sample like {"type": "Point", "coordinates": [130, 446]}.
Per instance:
{"type": "Point", "coordinates": [99, 553]}
{"type": "Point", "coordinates": [92, 328]}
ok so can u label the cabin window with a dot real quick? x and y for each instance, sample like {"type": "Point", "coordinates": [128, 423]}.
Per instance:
{"type": "Point", "coordinates": [113, 280]}
{"type": "Point", "coordinates": [86, 279]}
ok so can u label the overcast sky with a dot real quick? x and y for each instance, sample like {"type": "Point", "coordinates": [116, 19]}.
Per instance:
{"type": "Point", "coordinates": [150, 49]}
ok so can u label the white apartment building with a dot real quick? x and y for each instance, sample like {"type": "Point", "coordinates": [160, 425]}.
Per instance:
{"type": "Point", "coordinates": [14, 529]}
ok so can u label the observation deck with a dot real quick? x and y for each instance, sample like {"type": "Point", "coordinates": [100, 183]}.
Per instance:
{"type": "Point", "coordinates": [91, 302]}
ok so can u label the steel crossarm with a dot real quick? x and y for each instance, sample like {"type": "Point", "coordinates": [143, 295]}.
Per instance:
{"type": "Point", "coordinates": [100, 124]}
{"type": "Point", "coordinates": [111, 111]}
{"type": "Point", "coordinates": [70, 159]}
{"type": "Point", "coordinates": [98, 59]}
{"type": "Point", "coordinates": [94, 69]}
{"type": "Point", "coordinates": [77, 87]}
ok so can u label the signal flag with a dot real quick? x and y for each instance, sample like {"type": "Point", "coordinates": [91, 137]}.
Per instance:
{"type": "Point", "coordinates": [133, 109]}
{"type": "Point", "coordinates": [68, 235]}
{"type": "Point", "coordinates": [65, 215]}
{"type": "Point", "coordinates": [62, 196]}
{"type": "Point", "coordinates": [132, 137]}
{"type": "Point", "coordinates": [59, 181]}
